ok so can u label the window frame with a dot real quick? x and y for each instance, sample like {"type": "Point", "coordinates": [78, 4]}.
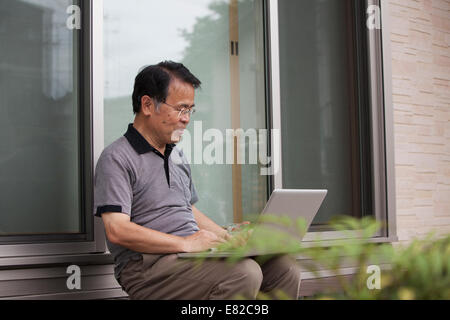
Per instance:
{"type": "Point", "coordinates": [380, 98]}
{"type": "Point", "coordinates": [93, 238]}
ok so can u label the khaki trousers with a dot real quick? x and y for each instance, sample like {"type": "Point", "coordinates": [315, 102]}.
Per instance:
{"type": "Point", "coordinates": [167, 277]}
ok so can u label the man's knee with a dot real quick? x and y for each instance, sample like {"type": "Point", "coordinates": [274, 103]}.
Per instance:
{"type": "Point", "coordinates": [252, 272]}
{"type": "Point", "coordinates": [291, 270]}
{"type": "Point", "coordinates": [281, 274]}
{"type": "Point", "coordinates": [243, 279]}
{"type": "Point", "coordinates": [295, 274]}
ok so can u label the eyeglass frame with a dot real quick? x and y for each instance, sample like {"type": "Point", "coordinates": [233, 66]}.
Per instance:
{"type": "Point", "coordinates": [184, 110]}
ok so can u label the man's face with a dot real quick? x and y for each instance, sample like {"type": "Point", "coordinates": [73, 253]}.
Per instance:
{"type": "Point", "coordinates": [168, 123]}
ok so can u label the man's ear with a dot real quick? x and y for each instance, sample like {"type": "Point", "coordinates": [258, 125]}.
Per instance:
{"type": "Point", "coordinates": [147, 106]}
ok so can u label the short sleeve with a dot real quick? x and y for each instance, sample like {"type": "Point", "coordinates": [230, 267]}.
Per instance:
{"type": "Point", "coordinates": [194, 195]}
{"type": "Point", "coordinates": [112, 186]}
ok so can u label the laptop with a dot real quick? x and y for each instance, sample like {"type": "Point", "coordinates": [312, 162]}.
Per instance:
{"type": "Point", "coordinates": [290, 204]}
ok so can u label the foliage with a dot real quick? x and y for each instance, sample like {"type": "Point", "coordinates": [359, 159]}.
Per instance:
{"type": "Point", "coordinates": [420, 270]}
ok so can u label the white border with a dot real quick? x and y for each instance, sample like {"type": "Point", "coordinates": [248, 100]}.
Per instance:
{"type": "Point", "coordinates": [97, 79]}
{"type": "Point", "coordinates": [275, 93]}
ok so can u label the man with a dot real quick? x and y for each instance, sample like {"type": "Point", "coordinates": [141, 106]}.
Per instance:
{"type": "Point", "coordinates": [146, 202]}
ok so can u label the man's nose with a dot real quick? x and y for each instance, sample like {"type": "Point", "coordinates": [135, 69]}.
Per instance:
{"type": "Point", "coordinates": [185, 117]}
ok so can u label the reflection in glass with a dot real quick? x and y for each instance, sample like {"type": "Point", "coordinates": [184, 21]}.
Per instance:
{"type": "Point", "coordinates": [39, 157]}
{"type": "Point", "coordinates": [199, 35]}
{"type": "Point", "coordinates": [320, 138]}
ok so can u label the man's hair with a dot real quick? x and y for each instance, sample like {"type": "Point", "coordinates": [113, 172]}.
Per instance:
{"type": "Point", "coordinates": [154, 81]}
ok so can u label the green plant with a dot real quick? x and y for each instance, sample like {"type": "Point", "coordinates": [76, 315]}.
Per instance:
{"type": "Point", "coordinates": [420, 270]}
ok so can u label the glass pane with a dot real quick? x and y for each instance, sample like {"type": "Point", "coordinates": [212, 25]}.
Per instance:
{"type": "Point", "coordinates": [319, 148]}
{"type": "Point", "coordinates": [198, 36]}
{"type": "Point", "coordinates": [39, 155]}
{"type": "Point", "coordinates": [252, 102]}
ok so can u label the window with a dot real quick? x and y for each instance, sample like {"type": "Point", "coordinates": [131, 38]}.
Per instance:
{"type": "Point", "coordinates": [223, 44]}
{"type": "Point", "coordinates": [331, 70]}
{"type": "Point", "coordinates": [330, 108]}
{"type": "Point", "coordinates": [45, 171]}
{"type": "Point", "coordinates": [326, 111]}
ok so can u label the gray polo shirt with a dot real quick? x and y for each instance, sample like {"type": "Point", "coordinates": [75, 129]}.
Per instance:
{"type": "Point", "coordinates": [155, 190]}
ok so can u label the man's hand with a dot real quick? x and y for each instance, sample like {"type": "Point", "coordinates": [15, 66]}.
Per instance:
{"type": "Point", "coordinates": [229, 234]}
{"type": "Point", "coordinates": [201, 241]}
{"type": "Point", "coordinates": [237, 226]}
{"type": "Point", "coordinates": [240, 239]}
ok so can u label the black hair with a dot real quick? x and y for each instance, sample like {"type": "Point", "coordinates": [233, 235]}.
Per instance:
{"type": "Point", "coordinates": [154, 81]}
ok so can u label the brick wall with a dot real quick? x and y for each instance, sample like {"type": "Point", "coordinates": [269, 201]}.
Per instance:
{"type": "Point", "coordinates": [420, 39]}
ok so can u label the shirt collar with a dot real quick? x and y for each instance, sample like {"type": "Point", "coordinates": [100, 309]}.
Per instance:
{"type": "Point", "coordinates": [141, 146]}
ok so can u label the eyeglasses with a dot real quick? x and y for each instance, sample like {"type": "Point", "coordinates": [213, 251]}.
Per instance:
{"type": "Point", "coordinates": [182, 109]}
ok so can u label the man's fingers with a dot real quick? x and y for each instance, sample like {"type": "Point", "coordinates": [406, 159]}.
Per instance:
{"type": "Point", "coordinates": [221, 240]}
{"type": "Point", "coordinates": [218, 239]}
{"type": "Point", "coordinates": [227, 237]}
